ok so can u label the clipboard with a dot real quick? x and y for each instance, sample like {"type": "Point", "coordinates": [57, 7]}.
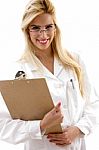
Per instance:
{"type": "Point", "coordinates": [28, 99]}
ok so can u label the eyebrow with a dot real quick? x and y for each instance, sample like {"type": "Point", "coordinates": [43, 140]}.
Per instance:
{"type": "Point", "coordinates": [34, 25]}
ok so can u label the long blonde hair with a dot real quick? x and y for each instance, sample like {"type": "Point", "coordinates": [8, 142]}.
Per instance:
{"type": "Point", "coordinates": [35, 8]}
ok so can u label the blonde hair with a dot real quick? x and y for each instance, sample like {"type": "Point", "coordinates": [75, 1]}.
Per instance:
{"type": "Point", "coordinates": [35, 8]}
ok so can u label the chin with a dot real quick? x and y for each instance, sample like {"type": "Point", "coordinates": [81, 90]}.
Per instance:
{"type": "Point", "coordinates": [43, 47]}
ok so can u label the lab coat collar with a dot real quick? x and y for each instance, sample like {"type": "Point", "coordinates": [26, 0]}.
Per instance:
{"type": "Point", "coordinates": [58, 67]}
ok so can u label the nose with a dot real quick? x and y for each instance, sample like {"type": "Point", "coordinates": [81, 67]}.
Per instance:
{"type": "Point", "coordinates": [42, 30]}
{"type": "Point", "coordinates": [43, 33]}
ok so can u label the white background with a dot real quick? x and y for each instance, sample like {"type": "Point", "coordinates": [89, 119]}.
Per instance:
{"type": "Point", "coordinates": [79, 21]}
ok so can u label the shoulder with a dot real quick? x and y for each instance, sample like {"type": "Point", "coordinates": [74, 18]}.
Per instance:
{"type": "Point", "coordinates": [20, 71]}
{"type": "Point", "coordinates": [77, 57]}
{"type": "Point", "coordinates": [9, 70]}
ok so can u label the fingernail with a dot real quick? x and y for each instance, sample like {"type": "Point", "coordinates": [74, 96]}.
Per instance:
{"type": "Point", "coordinates": [59, 103]}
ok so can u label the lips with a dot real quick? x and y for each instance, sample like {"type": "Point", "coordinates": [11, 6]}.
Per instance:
{"type": "Point", "coordinates": [43, 41]}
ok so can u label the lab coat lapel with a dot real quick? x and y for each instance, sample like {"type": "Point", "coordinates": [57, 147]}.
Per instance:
{"type": "Point", "coordinates": [58, 67]}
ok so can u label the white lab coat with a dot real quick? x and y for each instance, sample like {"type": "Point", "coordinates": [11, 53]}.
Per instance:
{"type": "Point", "coordinates": [74, 108]}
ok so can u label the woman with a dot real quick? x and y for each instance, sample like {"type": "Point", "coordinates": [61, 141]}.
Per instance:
{"type": "Point", "coordinates": [67, 82]}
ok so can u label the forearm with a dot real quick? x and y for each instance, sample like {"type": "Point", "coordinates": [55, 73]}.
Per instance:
{"type": "Point", "coordinates": [18, 131]}
{"type": "Point", "coordinates": [87, 122]}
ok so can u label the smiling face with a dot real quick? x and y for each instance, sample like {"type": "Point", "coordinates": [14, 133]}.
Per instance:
{"type": "Point", "coordinates": [42, 31]}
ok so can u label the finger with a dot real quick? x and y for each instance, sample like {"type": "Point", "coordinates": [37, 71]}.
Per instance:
{"type": "Point", "coordinates": [54, 139]}
{"type": "Point", "coordinates": [57, 107]}
{"type": "Point", "coordinates": [62, 118]}
{"type": "Point", "coordinates": [59, 142]}
{"type": "Point", "coordinates": [56, 136]}
{"type": "Point", "coordinates": [59, 116]}
{"type": "Point", "coordinates": [62, 144]}
{"type": "Point", "coordinates": [59, 139]}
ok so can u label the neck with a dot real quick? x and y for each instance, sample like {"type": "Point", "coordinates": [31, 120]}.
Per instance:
{"type": "Point", "coordinates": [46, 58]}
{"type": "Point", "coordinates": [44, 55]}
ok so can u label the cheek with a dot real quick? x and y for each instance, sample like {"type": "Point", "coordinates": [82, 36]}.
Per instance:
{"type": "Point", "coordinates": [52, 37]}
{"type": "Point", "coordinates": [32, 38]}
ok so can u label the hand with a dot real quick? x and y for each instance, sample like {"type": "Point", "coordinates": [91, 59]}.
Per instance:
{"type": "Point", "coordinates": [67, 137]}
{"type": "Point", "coordinates": [52, 118]}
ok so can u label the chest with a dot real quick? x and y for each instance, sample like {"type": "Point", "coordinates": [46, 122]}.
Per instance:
{"type": "Point", "coordinates": [63, 86]}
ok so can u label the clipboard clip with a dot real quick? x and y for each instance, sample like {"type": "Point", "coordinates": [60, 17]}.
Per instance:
{"type": "Point", "coordinates": [20, 75]}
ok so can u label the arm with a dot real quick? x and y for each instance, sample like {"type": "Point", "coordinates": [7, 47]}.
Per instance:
{"type": "Point", "coordinates": [86, 123]}
{"type": "Point", "coordinates": [52, 118]}
{"type": "Point", "coordinates": [17, 131]}
{"type": "Point", "coordinates": [89, 118]}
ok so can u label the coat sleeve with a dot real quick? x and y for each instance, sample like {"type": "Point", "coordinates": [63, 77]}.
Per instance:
{"type": "Point", "coordinates": [16, 131]}
{"type": "Point", "coordinates": [88, 121]}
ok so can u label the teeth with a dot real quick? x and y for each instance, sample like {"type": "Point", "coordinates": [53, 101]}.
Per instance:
{"type": "Point", "coordinates": [43, 41]}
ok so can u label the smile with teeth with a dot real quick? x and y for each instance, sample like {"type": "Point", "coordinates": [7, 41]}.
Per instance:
{"type": "Point", "coordinates": [43, 41]}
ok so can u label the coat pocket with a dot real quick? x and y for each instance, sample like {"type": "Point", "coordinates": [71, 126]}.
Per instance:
{"type": "Point", "coordinates": [75, 101]}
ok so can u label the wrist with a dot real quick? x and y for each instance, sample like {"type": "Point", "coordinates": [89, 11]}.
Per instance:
{"type": "Point", "coordinates": [78, 131]}
{"type": "Point", "coordinates": [42, 126]}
